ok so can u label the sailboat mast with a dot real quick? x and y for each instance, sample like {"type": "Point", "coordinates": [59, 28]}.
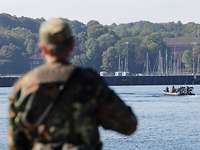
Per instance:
{"type": "Point", "coordinates": [198, 61]}
{"type": "Point", "coordinates": [147, 63]}
{"type": "Point", "coordinates": [193, 64]}
{"type": "Point", "coordinates": [126, 68]}
{"type": "Point", "coordinates": [126, 65]}
{"type": "Point", "coordinates": [178, 66]}
{"type": "Point", "coordinates": [119, 63]}
{"type": "Point", "coordinates": [166, 62]}
{"type": "Point", "coordinates": [174, 63]}
{"type": "Point", "coordinates": [160, 64]}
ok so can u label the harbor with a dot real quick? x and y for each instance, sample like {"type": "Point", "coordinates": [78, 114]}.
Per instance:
{"type": "Point", "coordinates": [8, 81]}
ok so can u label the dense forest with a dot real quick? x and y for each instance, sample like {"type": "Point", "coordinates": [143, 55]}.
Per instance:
{"type": "Point", "coordinates": [98, 46]}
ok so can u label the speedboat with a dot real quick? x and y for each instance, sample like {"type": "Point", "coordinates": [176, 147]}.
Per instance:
{"type": "Point", "coordinates": [180, 91]}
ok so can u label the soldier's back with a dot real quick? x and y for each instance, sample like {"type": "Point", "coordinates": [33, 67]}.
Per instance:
{"type": "Point", "coordinates": [71, 119]}
{"type": "Point", "coordinates": [63, 106]}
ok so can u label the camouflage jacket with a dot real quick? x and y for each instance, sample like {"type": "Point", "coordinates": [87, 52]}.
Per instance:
{"type": "Point", "coordinates": [85, 104]}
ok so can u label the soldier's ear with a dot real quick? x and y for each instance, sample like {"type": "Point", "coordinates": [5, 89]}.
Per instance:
{"type": "Point", "coordinates": [44, 49]}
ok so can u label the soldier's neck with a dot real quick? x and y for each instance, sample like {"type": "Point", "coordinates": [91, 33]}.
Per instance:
{"type": "Point", "coordinates": [52, 59]}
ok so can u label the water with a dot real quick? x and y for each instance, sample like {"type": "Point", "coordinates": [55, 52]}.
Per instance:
{"type": "Point", "coordinates": [3, 116]}
{"type": "Point", "coordinates": [165, 123]}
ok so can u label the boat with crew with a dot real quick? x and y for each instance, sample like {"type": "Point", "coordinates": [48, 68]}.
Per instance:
{"type": "Point", "coordinates": [179, 91]}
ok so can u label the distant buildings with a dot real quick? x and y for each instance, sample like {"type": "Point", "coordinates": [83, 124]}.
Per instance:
{"type": "Point", "coordinates": [181, 43]}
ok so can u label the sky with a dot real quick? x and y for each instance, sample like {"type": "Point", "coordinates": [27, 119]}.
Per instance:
{"type": "Point", "coordinates": [106, 11]}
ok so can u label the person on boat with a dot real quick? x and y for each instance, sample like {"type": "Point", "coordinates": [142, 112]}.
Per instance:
{"type": "Point", "coordinates": [173, 89]}
{"type": "Point", "coordinates": [167, 89]}
{"type": "Point", "coordinates": [189, 90]}
{"type": "Point", "coordinates": [59, 106]}
{"type": "Point", "coordinates": [181, 90]}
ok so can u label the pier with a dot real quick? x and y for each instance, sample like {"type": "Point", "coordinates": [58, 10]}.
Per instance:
{"type": "Point", "coordinates": [153, 80]}
{"type": "Point", "coordinates": [8, 81]}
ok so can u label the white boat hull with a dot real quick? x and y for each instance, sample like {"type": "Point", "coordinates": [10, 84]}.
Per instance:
{"type": "Point", "coordinates": [176, 94]}
{"type": "Point", "coordinates": [171, 94]}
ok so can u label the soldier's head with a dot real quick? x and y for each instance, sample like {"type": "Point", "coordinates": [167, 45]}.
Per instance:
{"type": "Point", "coordinates": [56, 39]}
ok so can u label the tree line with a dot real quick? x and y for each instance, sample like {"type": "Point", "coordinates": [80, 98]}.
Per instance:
{"type": "Point", "coordinates": [102, 47]}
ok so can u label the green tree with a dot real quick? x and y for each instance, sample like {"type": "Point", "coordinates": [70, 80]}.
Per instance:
{"type": "Point", "coordinates": [110, 60]}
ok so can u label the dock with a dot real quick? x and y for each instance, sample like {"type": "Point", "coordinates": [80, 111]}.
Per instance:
{"type": "Point", "coordinates": [8, 81]}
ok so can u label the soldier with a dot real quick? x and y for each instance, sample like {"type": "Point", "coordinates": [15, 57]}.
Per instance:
{"type": "Point", "coordinates": [167, 89]}
{"type": "Point", "coordinates": [173, 89]}
{"type": "Point", "coordinates": [59, 106]}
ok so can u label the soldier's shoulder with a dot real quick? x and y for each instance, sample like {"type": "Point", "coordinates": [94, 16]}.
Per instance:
{"type": "Point", "coordinates": [23, 81]}
{"type": "Point", "coordinates": [27, 77]}
{"type": "Point", "coordinates": [32, 74]}
{"type": "Point", "coordinates": [48, 73]}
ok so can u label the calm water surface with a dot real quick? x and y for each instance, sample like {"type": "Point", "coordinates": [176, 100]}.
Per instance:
{"type": "Point", "coordinates": [165, 123]}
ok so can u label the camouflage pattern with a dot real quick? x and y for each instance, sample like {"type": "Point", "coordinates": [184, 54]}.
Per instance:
{"type": "Point", "coordinates": [86, 103]}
